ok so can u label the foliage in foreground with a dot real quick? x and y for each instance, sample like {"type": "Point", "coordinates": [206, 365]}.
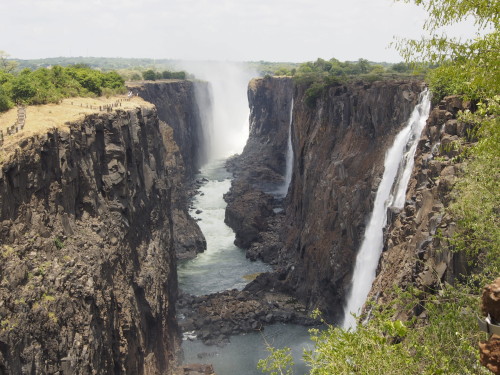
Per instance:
{"type": "Point", "coordinates": [45, 85]}
{"type": "Point", "coordinates": [470, 67]}
{"type": "Point", "coordinates": [445, 340]}
{"type": "Point", "coordinates": [476, 204]}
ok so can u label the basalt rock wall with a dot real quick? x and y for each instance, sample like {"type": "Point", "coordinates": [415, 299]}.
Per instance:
{"type": "Point", "coordinates": [339, 146]}
{"type": "Point", "coordinates": [88, 273]}
{"type": "Point", "coordinates": [177, 104]}
{"type": "Point", "coordinates": [260, 168]}
{"type": "Point", "coordinates": [339, 143]}
{"type": "Point", "coordinates": [413, 253]}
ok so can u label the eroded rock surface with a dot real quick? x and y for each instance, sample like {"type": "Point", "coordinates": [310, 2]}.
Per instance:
{"type": "Point", "coordinates": [413, 254]}
{"type": "Point", "coordinates": [260, 169]}
{"type": "Point", "coordinates": [88, 273]}
{"type": "Point", "coordinates": [215, 317]}
{"type": "Point", "coordinates": [339, 146]}
{"type": "Point", "coordinates": [177, 106]}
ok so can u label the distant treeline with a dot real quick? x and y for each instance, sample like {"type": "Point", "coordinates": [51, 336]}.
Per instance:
{"type": "Point", "coordinates": [101, 63]}
{"type": "Point", "coordinates": [43, 85]}
{"type": "Point", "coordinates": [321, 74]}
{"type": "Point", "coordinates": [151, 75]}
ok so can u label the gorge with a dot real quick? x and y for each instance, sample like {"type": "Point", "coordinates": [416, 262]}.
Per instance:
{"type": "Point", "coordinates": [94, 219]}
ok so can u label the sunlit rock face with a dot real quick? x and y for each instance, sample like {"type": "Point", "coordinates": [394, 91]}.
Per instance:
{"type": "Point", "coordinates": [88, 284]}
{"type": "Point", "coordinates": [339, 143]}
{"type": "Point", "coordinates": [339, 146]}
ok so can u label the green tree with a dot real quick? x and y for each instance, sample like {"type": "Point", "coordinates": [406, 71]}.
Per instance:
{"type": "Point", "coordinates": [112, 80]}
{"type": "Point", "coordinates": [5, 102]}
{"type": "Point", "coordinates": [23, 87]}
{"type": "Point", "coordinates": [149, 75]}
{"type": "Point", "coordinates": [401, 67]}
{"type": "Point", "coordinates": [363, 66]}
{"type": "Point", "coordinates": [476, 60]}
{"type": "Point", "coordinates": [6, 65]}
{"type": "Point", "coordinates": [179, 75]}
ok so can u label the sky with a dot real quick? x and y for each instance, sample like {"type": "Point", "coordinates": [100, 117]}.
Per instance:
{"type": "Point", "coordinates": [222, 30]}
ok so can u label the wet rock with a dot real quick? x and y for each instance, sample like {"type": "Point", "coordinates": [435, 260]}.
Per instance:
{"type": "Point", "coordinates": [416, 256]}
{"type": "Point", "coordinates": [196, 369]}
{"type": "Point", "coordinates": [218, 316]}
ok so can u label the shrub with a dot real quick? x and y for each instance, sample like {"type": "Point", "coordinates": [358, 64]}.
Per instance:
{"type": "Point", "coordinates": [5, 102]}
{"type": "Point", "coordinates": [313, 93]}
{"type": "Point", "coordinates": [51, 85]}
{"type": "Point", "coordinates": [23, 88]}
{"type": "Point", "coordinates": [149, 75]}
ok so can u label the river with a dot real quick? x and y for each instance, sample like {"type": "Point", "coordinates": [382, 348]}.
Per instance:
{"type": "Point", "coordinates": [224, 266]}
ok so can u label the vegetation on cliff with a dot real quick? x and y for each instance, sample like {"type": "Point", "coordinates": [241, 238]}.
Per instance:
{"type": "Point", "coordinates": [443, 340]}
{"type": "Point", "coordinates": [43, 85]}
{"type": "Point", "coordinates": [321, 74]}
{"type": "Point", "coordinates": [152, 75]}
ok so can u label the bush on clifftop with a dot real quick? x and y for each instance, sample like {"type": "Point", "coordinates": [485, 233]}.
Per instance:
{"type": "Point", "coordinates": [43, 85]}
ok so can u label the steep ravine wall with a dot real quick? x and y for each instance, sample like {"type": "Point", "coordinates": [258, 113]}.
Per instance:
{"type": "Point", "coordinates": [413, 254]}
{"type": "Point", "coordinates": [177, 105]}
{"type": "Point", "coordinates": [88, 273]}
{"type": "Point", "coordinates": [339, 147]}
{"type": "Point", "coordinates": [260, 168]}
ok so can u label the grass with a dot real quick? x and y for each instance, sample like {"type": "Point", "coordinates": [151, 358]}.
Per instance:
{"type": "Point", "coordinates": [41, 118]}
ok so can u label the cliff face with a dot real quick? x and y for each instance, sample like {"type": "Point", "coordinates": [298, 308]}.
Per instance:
{"type": "Point", "coordinates": [413, 255]}
{"type": "Point", "coordinates": [88, 272]}
{"type": "Point", "coordinates": [339, 148]}
{"type": "Point", "coordinates": [261, 166]}
{"type": "Point", "coordinates": [270, 101]}
{"type": "Point", "coordinates": [176, 104]}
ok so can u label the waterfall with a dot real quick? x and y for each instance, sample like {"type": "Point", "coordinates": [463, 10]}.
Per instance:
{"type": "Point", "coordinates": [225, 114]}
{"type": "Point", "coordinates": [398, 166]}
{"type": "Point", "coordinates": [283, 190]}
{"type": "Point", "coordinates": [289, 153]}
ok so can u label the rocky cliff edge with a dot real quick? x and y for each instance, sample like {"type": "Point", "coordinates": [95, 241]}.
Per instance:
{"type": "Point", "coordinates": [87, 273]}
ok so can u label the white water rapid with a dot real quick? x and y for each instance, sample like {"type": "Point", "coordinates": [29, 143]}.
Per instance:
{"type": "Point", "coordinates": [398, 165]}
{"type": "Point", "coordinates": [222, 265]}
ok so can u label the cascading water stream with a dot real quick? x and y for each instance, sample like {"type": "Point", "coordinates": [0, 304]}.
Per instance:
{"type": "Point", "coordinates": [282, 190]}
{"type": "Point", "coordinates": [289, 155]}
{"type": "Point", "coordinates": [398, 166]}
